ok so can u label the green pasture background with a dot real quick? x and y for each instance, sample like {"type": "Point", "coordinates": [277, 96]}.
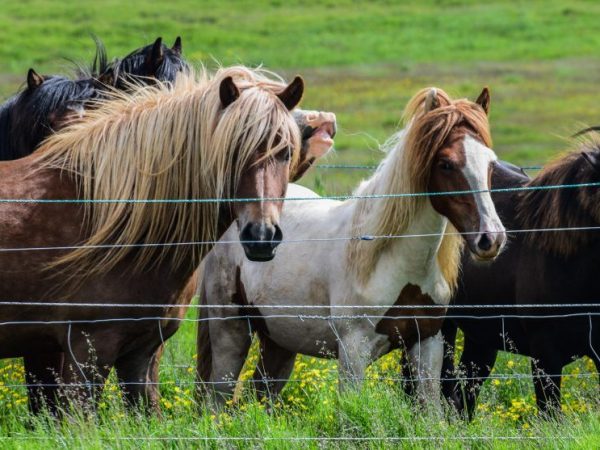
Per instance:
{"type": "Point", "coordinates": [362, 60]}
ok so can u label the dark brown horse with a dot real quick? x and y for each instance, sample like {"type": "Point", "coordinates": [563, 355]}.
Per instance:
{"type": "Point", "coordinates": [556, 267]}
{"type": "Point", "coordinates": [242, 131]}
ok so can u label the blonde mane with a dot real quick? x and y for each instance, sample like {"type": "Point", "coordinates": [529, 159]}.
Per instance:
{"type": "Point", "coordinates": [406, 169]}
{"type": "Point", "coordinates": [166, 143]}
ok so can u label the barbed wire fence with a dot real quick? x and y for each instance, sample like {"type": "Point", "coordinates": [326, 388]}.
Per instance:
{"type": "Point", "coordinates": [312, 312]}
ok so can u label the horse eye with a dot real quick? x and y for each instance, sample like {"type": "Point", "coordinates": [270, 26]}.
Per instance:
{"type": "Point", "coordinates": [445, 165]}
{"type": "Point", "coordinates": [284, 155]}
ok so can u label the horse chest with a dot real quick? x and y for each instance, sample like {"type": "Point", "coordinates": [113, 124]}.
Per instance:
{"type": "Point", "coordinates": [404, 326]}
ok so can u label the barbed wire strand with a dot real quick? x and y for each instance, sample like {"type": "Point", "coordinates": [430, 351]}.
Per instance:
{"type": "Point", "coordinates": [301, 317]}
{"type": "Point", "coordinates": [366, 237]}
{"type": "Point", "coordinates": [516, 376]}
{"type": "Point", "coordinates": [317, 198]}
{"type": "Point", "coordinates": [302, 306]}
{"type": "Point", "coordinates": [374, 166]}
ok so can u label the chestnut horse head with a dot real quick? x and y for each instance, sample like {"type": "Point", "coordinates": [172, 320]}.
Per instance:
{"type": "Point", "coordinates": [173, 155]}
{"type": "Point", "coordinates": [463, 163]}
{"type": "Point", "coordinates": [266, 171]}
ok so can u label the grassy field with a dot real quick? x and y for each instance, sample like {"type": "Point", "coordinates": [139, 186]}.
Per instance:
{"type": "Point", "coordinates": [362, 60]}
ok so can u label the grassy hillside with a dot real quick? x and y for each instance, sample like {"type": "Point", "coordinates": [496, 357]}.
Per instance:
{"type": "Point", "coordinates": [362, 60]}
{"type": "Point", "coordinates": [311, 33]}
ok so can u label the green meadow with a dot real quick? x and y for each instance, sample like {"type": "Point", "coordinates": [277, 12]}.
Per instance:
{"type": "Point", "coordinates": [362, 60]}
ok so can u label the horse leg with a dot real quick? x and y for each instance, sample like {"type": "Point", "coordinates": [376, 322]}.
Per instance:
{"type": "Point", "coordinates": [137, 372]}
{"type": "Point", "coordinates": [42, 373]}
{"type": "Point", "coordinates": [222, 350]}
{"type": "Point", "coordinates": [449, 385]}
{"type": "Point", "coordinates": [408, 380]}
{"type": "Point", "coordinates": [425, 358]}
{"type": "Point", "coordinates": [355, 352]}
{"type": "Point", "coordinates": [89, 357]}
{"type": "Point", "coordinates": [477, 362]}
{"type": "Point", "coordinates": [274, 367]}
{"type": "Point", "coordinates": [546, 367]}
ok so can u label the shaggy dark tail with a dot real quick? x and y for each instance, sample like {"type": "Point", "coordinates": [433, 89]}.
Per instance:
{"type": "Point", "coordinates": [203, 345]}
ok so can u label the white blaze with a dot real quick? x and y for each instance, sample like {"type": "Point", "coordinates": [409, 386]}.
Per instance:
{"type": "Point", "coordinates": [478, 159]}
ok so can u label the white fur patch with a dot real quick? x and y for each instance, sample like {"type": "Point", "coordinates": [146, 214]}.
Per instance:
{"type": "Point", "coordinates": [478, 159]}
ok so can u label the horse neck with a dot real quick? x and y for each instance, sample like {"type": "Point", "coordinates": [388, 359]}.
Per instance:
{"type": "Point", "coordinates": [393, 216]}
{"type": "Point", "coordinates": [385, 213]}
{"type": "Point", "coordinates": [418, 252]}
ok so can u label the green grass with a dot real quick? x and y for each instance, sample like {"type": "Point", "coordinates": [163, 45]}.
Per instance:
{"type": "Point", "coordinates": [362, 60]}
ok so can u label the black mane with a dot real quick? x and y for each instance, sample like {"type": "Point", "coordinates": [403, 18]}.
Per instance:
{"type": "Point", "coordinates": [563, 207]}
{"type": "Point", "coordinates": [154, 61]}
{"type": "Point", "coordinates": [30, 116]}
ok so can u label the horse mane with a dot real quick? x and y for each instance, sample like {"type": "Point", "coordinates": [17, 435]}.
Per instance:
{"type": "Point", "coordinates": [99, 64]}
{"type": "Point", "coordinates": [406, 169]}
{"type": "Point", "coordinates": [25, 119]}
{"type": "Point", "coordinates": [133, 68]}
{"type": "Point", "coordinates": [563, 208]}
{"type": "Point", "coordinates": [7, 150]}
{"type": "Point", "coordinates": [165, 142]}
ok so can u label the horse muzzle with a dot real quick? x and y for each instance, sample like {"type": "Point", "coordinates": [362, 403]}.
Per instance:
{"type": "Point", "coordinates": [486, 246]}
{"type": "Point", "coordinates": [260, 241]}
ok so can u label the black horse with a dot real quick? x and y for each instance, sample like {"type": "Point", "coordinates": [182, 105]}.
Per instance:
{"type": "Point", "coordinates": [47, 103]}
{"type": "Point", "coordinates": [537, 268]}
{"type": "Point", "coordinates": [146, 65]}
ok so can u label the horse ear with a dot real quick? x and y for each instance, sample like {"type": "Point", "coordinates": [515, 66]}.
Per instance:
{"type": "Point", "coordinates": [484, 100]}
{"type": "Point", "coordinates": [34, 80]}
{"type": "Point", "coordinates": [177, 45]}
{"type": "Point", "coordinates": [292, 94]}
{"type": "Point", "coordinates": [156, 55]}
{"type": "Point", "coordinates": [431, 101]}
{"type": "Point", "coordinates": [228, 92]}
{"type": "Point", "coordinates": [107, 77]}
{"type": "Point", "coordinates": [592, 158]}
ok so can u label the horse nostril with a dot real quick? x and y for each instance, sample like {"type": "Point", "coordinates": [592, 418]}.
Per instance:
{"type": "Point", "coordinates": [484, 243]}
{"type": "Point", "coordinates": [278, 237]}
{"type": "Point", "coordinates": [246, 234]}
{"type": "Point", "coordinates": [255, 233]}
{"type": "Point", "coordinates": [260, 240]}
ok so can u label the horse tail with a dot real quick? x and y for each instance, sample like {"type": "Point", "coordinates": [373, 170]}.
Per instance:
{"type": "Point", "coordinates": [203, 344]}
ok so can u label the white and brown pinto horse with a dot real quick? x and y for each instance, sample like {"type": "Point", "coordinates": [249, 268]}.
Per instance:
{"type": "Point", "coordinates": [445, 147]}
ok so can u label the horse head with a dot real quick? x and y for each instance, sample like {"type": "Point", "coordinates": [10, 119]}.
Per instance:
{"type": "Point", "coordinates": [317, 129]}
{"type": "Point", "coordinates": [265, 172]}
{"type": "Point", "coordinates": [152, 62]}
{"type": "Point", "coordinates": [47, 104]}
{"type": "Point", "coordinates": [463, 164]}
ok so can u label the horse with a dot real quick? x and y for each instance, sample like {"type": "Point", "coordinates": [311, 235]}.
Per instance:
{"type": "Point", "coordinates": [46, 103]}
{"type": "Point", "coordinates": [50, 102]}
{"type": "Point", "coordinates": [552, 267]}
{"type": "Point", "coordinates": [147, 64]}
{"type": "Point", "coordinates": [348, 283]}
{"type": "Point", "coordinates": [317, 130]}
{"type": "Point", "coordinates": [223, 136]}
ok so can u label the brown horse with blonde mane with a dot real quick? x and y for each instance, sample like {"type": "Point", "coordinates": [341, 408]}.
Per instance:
{"type": "Point", "coordinates": [127, 185]}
